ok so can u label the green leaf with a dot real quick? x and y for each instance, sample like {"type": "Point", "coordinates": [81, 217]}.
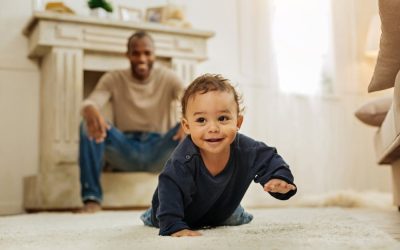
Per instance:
{"type": "Point", "coordinates": [100, 4]}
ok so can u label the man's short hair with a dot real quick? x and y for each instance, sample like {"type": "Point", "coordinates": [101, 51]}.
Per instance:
{"type": "Point", "coordinates": [139, 35]}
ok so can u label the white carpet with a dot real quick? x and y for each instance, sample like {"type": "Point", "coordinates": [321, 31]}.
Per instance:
{"type": "Point", "coordinates": [274, 228]}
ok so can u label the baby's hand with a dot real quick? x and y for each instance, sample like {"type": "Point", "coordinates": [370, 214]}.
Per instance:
{"type": "Point", "coordinates": [278, 186]}
{"type": "Point", "coordinates": [185, 232]}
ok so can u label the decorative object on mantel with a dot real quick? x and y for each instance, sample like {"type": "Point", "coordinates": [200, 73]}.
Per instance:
{"type": "Point", "coordinates": [59, 7]}
{"type": "Point", "coordinates": [176, 17]}
{"type": "Point", "coordinates": [100, 8]}
{"type": "Point", "coordinates": [130, 14]}
{"type": "Point", "coordinates": [172, 15]}
{"type": "Point", "coordinates": [156, 14]}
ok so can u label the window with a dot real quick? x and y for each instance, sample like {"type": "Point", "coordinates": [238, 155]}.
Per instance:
{"type": "Point", "coordinates": [302, 43]}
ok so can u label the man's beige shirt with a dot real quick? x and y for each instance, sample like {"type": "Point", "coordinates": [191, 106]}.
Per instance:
{"type": "Point", "coordinates": [148, 106]}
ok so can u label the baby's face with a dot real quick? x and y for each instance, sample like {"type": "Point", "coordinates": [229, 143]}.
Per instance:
{"type": "Point", "coordinates": [212, 121]}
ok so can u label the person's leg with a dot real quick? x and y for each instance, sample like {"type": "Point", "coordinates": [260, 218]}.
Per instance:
{"type": "Point", "coordinates": [139, 151]}
{"type": "Point", "coordinates": [158, 149]}
{"type": "Point", "coordinates": [91, 159]}
{"type": "Point", "coordinates": [146, 218]}
{"type": "Point", "coordinates": [90, 162]}
{"type": "Point", "coordinates": [239, 217]}
{"type": "Point", "coordinates": [123, 151]}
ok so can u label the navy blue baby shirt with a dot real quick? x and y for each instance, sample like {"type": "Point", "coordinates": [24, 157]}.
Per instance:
{"type": "Point", "coordinates": [189, 197]}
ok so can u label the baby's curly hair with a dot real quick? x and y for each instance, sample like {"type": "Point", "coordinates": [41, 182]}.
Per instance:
{"type": "Point", "coordinates": [210, 82]}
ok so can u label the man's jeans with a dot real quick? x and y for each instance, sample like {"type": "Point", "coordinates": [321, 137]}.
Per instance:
{"type": "Point", "coordinates": [126, 152]}
{"type": "Point", "coordinates": [238, 217]}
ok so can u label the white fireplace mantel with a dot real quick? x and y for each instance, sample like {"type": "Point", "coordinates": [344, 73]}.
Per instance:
{"type": "Point", "coordinates": [67, 46]}
{"type": "Point", "coordinates": [94, 37]}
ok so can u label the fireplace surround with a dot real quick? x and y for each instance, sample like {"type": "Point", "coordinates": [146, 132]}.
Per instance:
{"type": "Point", "coordinates": [72, 53]}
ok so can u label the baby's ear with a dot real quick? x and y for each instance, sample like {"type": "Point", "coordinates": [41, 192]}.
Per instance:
{"type": "Point", "coordinates": [239, 121]}
{"type": "Point", "coordinates": [185, 126]}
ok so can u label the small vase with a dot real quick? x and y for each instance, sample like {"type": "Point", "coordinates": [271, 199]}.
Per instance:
{"type": "Point", "coordinates": [100, 13]}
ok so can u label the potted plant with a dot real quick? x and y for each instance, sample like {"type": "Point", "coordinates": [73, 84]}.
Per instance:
{"type": "Point", "coordinates": [100, 8]}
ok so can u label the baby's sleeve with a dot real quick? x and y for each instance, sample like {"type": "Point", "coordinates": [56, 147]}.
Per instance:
{"type": "Point", "coordinates": [173, 194]}
{"type": "Point", "coordinates": [270, 165]}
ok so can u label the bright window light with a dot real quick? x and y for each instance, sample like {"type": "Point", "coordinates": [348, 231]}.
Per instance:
{"type": "Point", "coordinates": [301, 33]}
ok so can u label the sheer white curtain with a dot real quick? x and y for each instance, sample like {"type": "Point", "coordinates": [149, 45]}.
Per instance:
{"type": "Point", "coordinates": [302, 41]}
{"type": "Point", "coordinates": [287, 56]}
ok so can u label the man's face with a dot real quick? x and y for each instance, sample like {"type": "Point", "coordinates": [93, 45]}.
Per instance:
{"type": "Point", "coordinates": [141, 56]}
{"type": "Point", "coordinates": [212, 121]}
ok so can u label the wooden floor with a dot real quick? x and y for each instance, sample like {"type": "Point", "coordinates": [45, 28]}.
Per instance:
{"type": "Point", "coordinates": [386, 220]}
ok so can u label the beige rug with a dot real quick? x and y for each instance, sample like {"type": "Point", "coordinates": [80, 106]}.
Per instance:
{"type": "Point", "coordinates": [274, 228]}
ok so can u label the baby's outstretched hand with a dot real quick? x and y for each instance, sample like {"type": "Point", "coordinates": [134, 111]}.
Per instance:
{"type": "Point", "coordinates": [278, 186]}
{"type": "Point", "coordinates": [186, 232]}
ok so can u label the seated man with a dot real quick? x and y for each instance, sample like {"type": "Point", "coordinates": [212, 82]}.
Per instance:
{"type": "Point", "coordinates": [143, 134]}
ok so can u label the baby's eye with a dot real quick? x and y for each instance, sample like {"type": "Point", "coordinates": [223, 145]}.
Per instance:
{"type": "Point", "coordinates": [201, 120]}
{"type": "Point", "coordinates": [223, 118]}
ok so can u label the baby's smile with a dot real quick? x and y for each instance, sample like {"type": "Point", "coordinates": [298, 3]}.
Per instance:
{"type": "Point", "coordinates": [214, 139]}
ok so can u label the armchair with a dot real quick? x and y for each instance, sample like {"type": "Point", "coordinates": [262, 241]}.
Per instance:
{"type": "Point", "coordinates": [387, 75]}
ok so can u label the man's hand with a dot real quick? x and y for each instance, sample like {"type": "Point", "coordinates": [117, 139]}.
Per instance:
{"type": "Point", "coordinates": [185, 232]}
{"type": "Point", "coordinates": [96, 125]}
{"type": "Point", "coordinates": [180, 135]}
{"type": "Point", "coordinates": [278, 186]}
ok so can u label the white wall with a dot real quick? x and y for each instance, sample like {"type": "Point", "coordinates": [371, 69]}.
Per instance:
{"type": "Point", "coordinates": [326, 146]}
{"type": "Point", "coordinates": [19, 106]}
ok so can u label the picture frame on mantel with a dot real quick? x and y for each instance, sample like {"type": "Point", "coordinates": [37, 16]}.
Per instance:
{"type": "Point", "coordinates": [156, 14]}
{"type": "Point", "coordinates": [130, 14]}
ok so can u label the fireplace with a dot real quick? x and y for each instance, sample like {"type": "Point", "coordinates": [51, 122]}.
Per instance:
{"type": "Point", "coordinates": [73, 52]}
